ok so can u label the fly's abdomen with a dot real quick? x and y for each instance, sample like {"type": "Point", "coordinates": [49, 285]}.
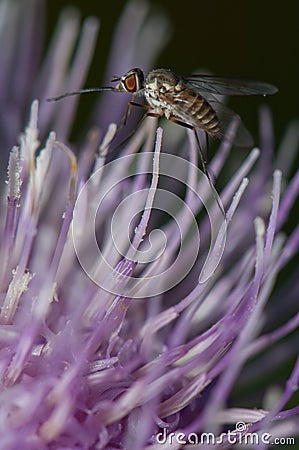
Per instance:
{"type": "Point", "coordinates": [192, 107]}
{"type": "Point", "coordinates": [204, 116]}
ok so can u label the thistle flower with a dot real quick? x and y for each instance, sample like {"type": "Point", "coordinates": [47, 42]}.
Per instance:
{"type": "Point", "coordinates": [132, 315]}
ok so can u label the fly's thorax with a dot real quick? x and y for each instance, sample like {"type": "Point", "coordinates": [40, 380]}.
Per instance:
{"type": "Point", "coordinates": [159, 83]}
{"type": "Point", "coordinates": [161, 79]}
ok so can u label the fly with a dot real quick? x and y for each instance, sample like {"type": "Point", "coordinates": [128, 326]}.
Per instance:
{"type": "Point", "coordinates": [191, 101]}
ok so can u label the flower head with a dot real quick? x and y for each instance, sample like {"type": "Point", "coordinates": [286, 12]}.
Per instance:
{"type": "Point", "coordinates": [132, 314]}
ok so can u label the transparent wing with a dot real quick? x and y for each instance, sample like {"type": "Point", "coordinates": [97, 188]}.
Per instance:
{"type": "Point", "coordinates": [228, 86]}
{"type": "Point", "coordinates": [226, 116]}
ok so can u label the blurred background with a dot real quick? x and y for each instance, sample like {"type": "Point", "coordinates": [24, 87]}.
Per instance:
{"type": "Point", "coordinates": [248, 39]}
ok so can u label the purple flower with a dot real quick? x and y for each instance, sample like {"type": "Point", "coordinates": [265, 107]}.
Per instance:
{"type": "Point", "coordinates": [132, 314]}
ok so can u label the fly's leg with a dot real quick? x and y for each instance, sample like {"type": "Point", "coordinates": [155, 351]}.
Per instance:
{"type": "Point", "coordinates": [147, 114]}
{"type": "Point", "coordinates": [128, 111]}
{"type": "Point", "coordinates": [202, 159]}
{"type": "Point", "coordinates": [212, 175]}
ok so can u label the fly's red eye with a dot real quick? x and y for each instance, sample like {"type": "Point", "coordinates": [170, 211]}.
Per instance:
{"type": "Point", "coordinates": [130, 83]}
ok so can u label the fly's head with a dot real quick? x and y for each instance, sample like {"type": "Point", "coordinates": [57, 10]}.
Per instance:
{"type": "Point", "coordinates": [132, 81]}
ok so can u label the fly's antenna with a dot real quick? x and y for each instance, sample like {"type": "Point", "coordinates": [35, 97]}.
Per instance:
{"type": "Point", "coordinates": [81, 91]}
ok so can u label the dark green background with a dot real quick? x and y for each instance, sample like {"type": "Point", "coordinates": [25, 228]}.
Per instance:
{"type": "Point", "coordinates": [248, 39]}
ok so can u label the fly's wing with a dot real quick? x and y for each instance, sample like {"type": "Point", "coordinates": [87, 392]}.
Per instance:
{"type": "Point", "coordinates": [211, 84]}
{"type": "Point", "coordinates": [211, 87]}
{"type": "Point", "coordinates": [226, 116]}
